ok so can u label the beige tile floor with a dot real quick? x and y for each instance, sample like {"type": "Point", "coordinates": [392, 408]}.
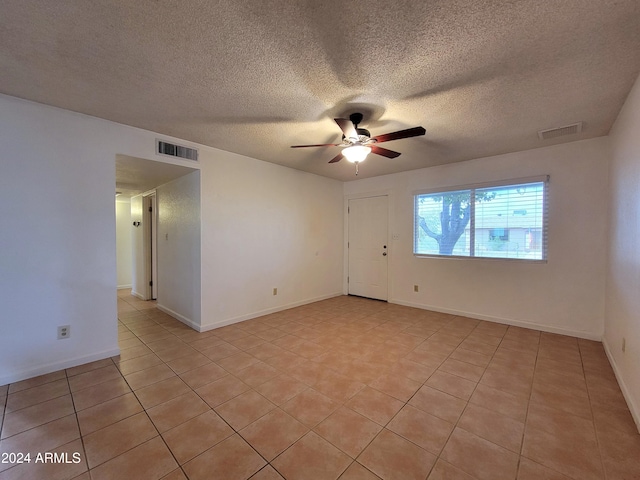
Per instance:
{"type": "Point", "coordinates": [345, 388]}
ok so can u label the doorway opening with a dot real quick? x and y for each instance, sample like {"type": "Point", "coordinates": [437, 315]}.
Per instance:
{"type": "Point", "coordinates": [137, 229]}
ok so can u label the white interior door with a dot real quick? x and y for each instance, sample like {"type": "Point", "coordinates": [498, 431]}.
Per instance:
{"type": "Point", "coordinates": [367, 247]}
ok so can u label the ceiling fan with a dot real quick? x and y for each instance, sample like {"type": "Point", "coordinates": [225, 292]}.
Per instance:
{"type": "Point", "coordinates": [358, 142]}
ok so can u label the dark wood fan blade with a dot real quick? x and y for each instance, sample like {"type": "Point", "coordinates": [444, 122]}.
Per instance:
{"type": "Point", "coordinates": [384, 152]}
{"type": "Point", "coordinates": [347, 128]}
{"type": "Point", "coordinates": [318, 145]}
{"type": "Point", "coordinates": [409, 132]}
{"type": "Point", "coordinates": [337, 158]}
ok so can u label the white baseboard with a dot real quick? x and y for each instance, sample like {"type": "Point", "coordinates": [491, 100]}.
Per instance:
{"type": "Point", "coordinates": [633, 407]}
{"type": "Point", "coordinates": [54, 367]}
{"type": "Point", "coordinates": [507, 321]}
{"type": "Point", "coordinates": [137, 295]}
{"type": "Point", "coordinates": [124, 287]}
{"type": "Point", "coordinates": [249, 316]}
{"type": "Point", "coordinates": [187, 321]}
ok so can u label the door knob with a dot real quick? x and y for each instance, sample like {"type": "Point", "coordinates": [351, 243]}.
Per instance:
{"type": "Point", "coordinates": [384, 254]}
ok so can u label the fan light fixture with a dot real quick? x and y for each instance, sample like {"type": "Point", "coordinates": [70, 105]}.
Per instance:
{"type": "Point", "coordinates": [355, 141]}
{"type": "Point", "coordinates": [356, 153]}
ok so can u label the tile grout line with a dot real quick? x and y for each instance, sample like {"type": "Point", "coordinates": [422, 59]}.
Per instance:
{"type": "Point", "coordinates": [595, 430]}
{"type": "Point", "coordinates": [180, 466]}
{"type": "Point", "coordinates": [75, 412]}
{"type": "Point", "coordinates": [467, 402]}
{"type": "Point", "coordinates": [395, 326]}
{"type": "Point", "coordinates": [526, 415]}
{"type": "Point", "coordinates": [144, 409]}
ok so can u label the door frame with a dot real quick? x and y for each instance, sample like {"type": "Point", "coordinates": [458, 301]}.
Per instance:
{"type": "Point", "coordinates": [150, 244]}
{"type": "Point", "coordinates": [391, 241]}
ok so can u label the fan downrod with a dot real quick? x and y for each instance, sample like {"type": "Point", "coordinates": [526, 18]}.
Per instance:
{"type": "Point", "coordinates": [356, 118]}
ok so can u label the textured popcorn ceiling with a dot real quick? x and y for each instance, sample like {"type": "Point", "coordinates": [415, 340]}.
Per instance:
{"type": "Point", "coordinates": [255, 77]}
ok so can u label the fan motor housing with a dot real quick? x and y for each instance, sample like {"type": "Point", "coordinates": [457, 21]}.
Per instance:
{"type": "Point", "coordinates": [362, 132]}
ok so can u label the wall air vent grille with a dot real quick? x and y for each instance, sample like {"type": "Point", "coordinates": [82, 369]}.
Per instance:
{"type": "Point", "coordinates": [560, 131]}
{"type": "Point", "coordinates": [173, 150]}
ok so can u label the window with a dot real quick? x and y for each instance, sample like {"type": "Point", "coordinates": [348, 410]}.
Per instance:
{"type": "Point", "coordinates": [502, 220]}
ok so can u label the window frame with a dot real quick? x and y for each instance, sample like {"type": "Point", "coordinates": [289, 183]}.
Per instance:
{"type": "Point", "coordinates": [544, 179]}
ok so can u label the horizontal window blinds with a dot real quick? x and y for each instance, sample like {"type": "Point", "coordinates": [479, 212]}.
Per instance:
{"type": "Point", "coordinates": [508, 220]}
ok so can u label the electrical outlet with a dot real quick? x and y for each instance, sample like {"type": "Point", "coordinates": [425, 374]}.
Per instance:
{"type": "Point", "coordinates": [275, 291]}
{"type": "Point", "coordinates": [64, 331]}
{"type": "Point", "coordinates": [415, 288]}
{"type": "Point", "coordinates": [624, 344]}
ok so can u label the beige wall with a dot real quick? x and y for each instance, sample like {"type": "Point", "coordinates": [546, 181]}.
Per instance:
{"type": "Point", "coordinates": [266, 227]}
{"type": "Point", "coordinates": [623, 273]}
{"type": "Point", "coordinates": [57, 184]}
{"type": "Point", "coordinates": [178, 248]}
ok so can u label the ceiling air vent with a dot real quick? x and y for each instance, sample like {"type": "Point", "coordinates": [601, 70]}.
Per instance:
{"type": "Point", "coordinates": [560, 131]}
{"type": "Point", "coordinates": [173, 150]}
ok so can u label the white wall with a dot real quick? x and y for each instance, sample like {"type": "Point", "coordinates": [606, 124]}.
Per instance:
{"type": "Point", "coordinates": [58, 264]}
{"type": "Point", "coordinates": [265, 227]}
{"type": "Point", "coordinates": [123, 242]}
{"type": "Point", "coordinates": [178, 207]}
{"type": "Point", "coordinates": [138, 287]}
{"type": "Point", "coordinates": [623, 273]}
{"type": "Point", "coordinates": [564, 295]}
